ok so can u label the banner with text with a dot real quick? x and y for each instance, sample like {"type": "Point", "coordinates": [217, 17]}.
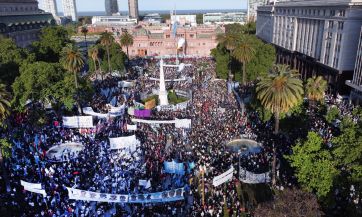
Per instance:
{"type": "Point", "coordinates": [220, 179]}
{"type": "Point", "coordinates": [174, 167]}
{"type": "Point", "coordinates": [165, 196]}
{"type": "Point", "coordinates": [253, 178]}
{"type": "Point", "coordinates": [129, 143]}
{"type": "Point", "coordinates": [78, 122]}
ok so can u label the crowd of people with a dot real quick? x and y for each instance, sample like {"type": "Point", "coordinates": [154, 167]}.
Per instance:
{"type": "Point", "coordinates": [216, 120]}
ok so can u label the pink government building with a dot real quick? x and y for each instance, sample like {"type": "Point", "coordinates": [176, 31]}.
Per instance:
{"type": "Point", "coordinates": [158, 40]}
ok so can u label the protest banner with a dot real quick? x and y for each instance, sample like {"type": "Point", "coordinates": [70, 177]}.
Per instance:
{"type": "Point", "coordinates": [78, 122]}
{"type": "Point", "coordinates": [127, 142]}
{"type": "Point", "coordinates": [131, 127]}
{"type": "Point", "coordinates": [174, 167]}
{"type": "Point", "coordinates": [220, 179]}
{"type": "Point", "coordinates": [253, 178]}
{"type": "Point", "coordinates": [165, 196]}
{"type": "Point", "coordinates": [33, 187]}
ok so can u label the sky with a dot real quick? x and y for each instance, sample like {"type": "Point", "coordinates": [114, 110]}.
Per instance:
{"type": "Point", "coordinates": [98, 5]}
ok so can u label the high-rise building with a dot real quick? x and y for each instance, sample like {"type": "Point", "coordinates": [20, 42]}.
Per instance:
{"type": "Point", "coordinates": [49, 6]}
{"type": "Point", "coordinates": [22, 20]}
{"type": "Point", "coordinates": [253, 6]}
{"type": "Point", "coordinates": [111, 7]}
{"type": "Point", "coordinates": [317, 37]}
{"type": "Point", "coordinates": [356, 83]}
{"type": "Point", "coordinates": [133, 8]}
{"type": "Point", "coordinates": [70, 9]}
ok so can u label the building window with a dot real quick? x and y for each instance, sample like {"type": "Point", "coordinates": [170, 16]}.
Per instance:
{"type": "Point", "coordinates": [330, 24]}
{"type": "Point", "coordinates": [167, 36]}
{"type": "Point", "coordinates": [340, 25]}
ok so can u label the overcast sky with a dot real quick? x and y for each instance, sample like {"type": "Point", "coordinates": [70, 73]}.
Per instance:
{"type": "Point", "coordinates": [98, 5]}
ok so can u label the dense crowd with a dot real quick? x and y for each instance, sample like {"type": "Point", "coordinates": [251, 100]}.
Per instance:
{"type": "Point", "coordinates": [216, 120]}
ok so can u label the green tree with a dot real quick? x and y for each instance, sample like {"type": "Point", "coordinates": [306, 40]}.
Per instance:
{"type": "Point", "coordinates": [315, 89]}
{"type": "Point", "coordinates": [5, 152]}
{"type": "Point", "coordinates": [279, 92]}
{"type": "Point", "coordinates": [72, 61]}
{"type": "Point", "coordinates": [290, 202]}
{"type": "Point", "coordinates": [221, 57]}
{"type": "Point", "coordinates": [117, 58]}
{"type": "Point", "coordinates": [228, 41]}
{"type": "Point", "coordinates": [107, 40]}
{"type": "Point", "coordinates": [51, 43]}
{"type": "Point", "coordinates": [263, 61]}
{"type": "Point", "coordinates": [332, 114]}
{"type": "Point", "coordinates": [257, 67]}
{"type": "Point", "coordinates": [4, 103]}
{"type": "Point", "coordinates": [84, 31]}
{"type": "Point", "coordinates": [11, 57]}
{"type": "Point", "coordinates": [35, 81]}
{"type": "Point", "coordinates": [93, 53]}
{"type": "Point", "coordinates": [126, 41]}
{"type": "Point", "coordinates": [348, 152]}
{"type": "Point", "coordinates": [244, 52]}
{"type": "Point", "coordinates": [314, 164]}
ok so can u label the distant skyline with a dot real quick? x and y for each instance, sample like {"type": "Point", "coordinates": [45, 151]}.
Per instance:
{"type": "Point", "coordinates": [146, 5]}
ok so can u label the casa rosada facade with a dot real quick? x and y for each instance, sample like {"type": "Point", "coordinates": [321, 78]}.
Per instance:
{"type": "Point", "coordinates": [159, 40]}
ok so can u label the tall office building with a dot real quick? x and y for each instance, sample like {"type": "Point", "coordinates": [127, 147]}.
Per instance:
{"type": "Point", "coordinates": [70, 9]}
{"type": "Point", "coordinates": [317, 37]}
{"type": "Point", "coordinates": [252, 8]}
{"type": "Point", "coordinates": [22, 20]}
{"type": "Point", "coordinates": [356, 83]}
{"type": "Point", "coordinates": [49, 6]}
{"type": "Point", "coordinates": [133, 8]}
{"type": "Point", "coordinates": [111, 7]}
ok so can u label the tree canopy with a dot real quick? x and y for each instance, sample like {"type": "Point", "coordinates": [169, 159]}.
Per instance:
{"type": "Point", "coordinates": [290, 202]}
{"type": "Point", "coordinates": [117, 58]}
{"type": "Point", "coordinates": [51, 43]}
{"type": "Point", "coordinates": [11, 57]}
{"type": "Point", "coordinates": [314, 164]}
{"type": "Point", "coordinates": [45, 82]}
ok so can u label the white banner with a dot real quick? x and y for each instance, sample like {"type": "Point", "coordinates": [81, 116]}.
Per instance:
{"type": "Point", "coordinates": [33, 187]}
{"type": "Point", "coordinates": [144, 183]}
{"type": "Point", "coordinates": [76, 194]}
{"type": "Point", "coordinates": [30, 185]}
{"type": "Point", "coordinates": [183, 123]}
{"type": "Point", "coordinates": [220, 179]}
{"type": "Point", "coordinates": [125, 83]}
{"type": "Point", "coordinates": [165, 196]}
{"type": "Point", "coordinates": [253, 178]}
{"type": "Point", "coordinates": [78, 122]}
{"type": "Point", "coordinates": [180, 106]}
{"type": "Point", "coordinates": [131, 127]}
{"type": "Point", "coordinates": [127, 142]}
{"type": "Point", "coordinates": [89, 111]}
{"type": "Point", "coordinates": [179, 123]}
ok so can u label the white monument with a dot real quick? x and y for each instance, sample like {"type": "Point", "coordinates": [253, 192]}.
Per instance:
{"type": "Point", "coordinates": [162, 95]}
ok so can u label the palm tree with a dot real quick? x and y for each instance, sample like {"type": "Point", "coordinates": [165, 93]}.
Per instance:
{"type": "Point", "coordinates": [93, 53]}
{"type": "Point", "coordinates": [279, 92]}
{"type": "Point", "coordinates": [228, 40]}
{"type": "Point", "coordinates": [84, 30]}
{"type": "Point", "coordinates": [4, 103]}
{"type": "Point", "coordinates": [244, 53]}
{"type": "Point", "coordinates": [72, 61]}
{"type": "Point", "coordinates": [126, 41]}
{"type": "Point", "coordinates": [315, 89]}
{"type": "Point", "coordinates": [107, 40]}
